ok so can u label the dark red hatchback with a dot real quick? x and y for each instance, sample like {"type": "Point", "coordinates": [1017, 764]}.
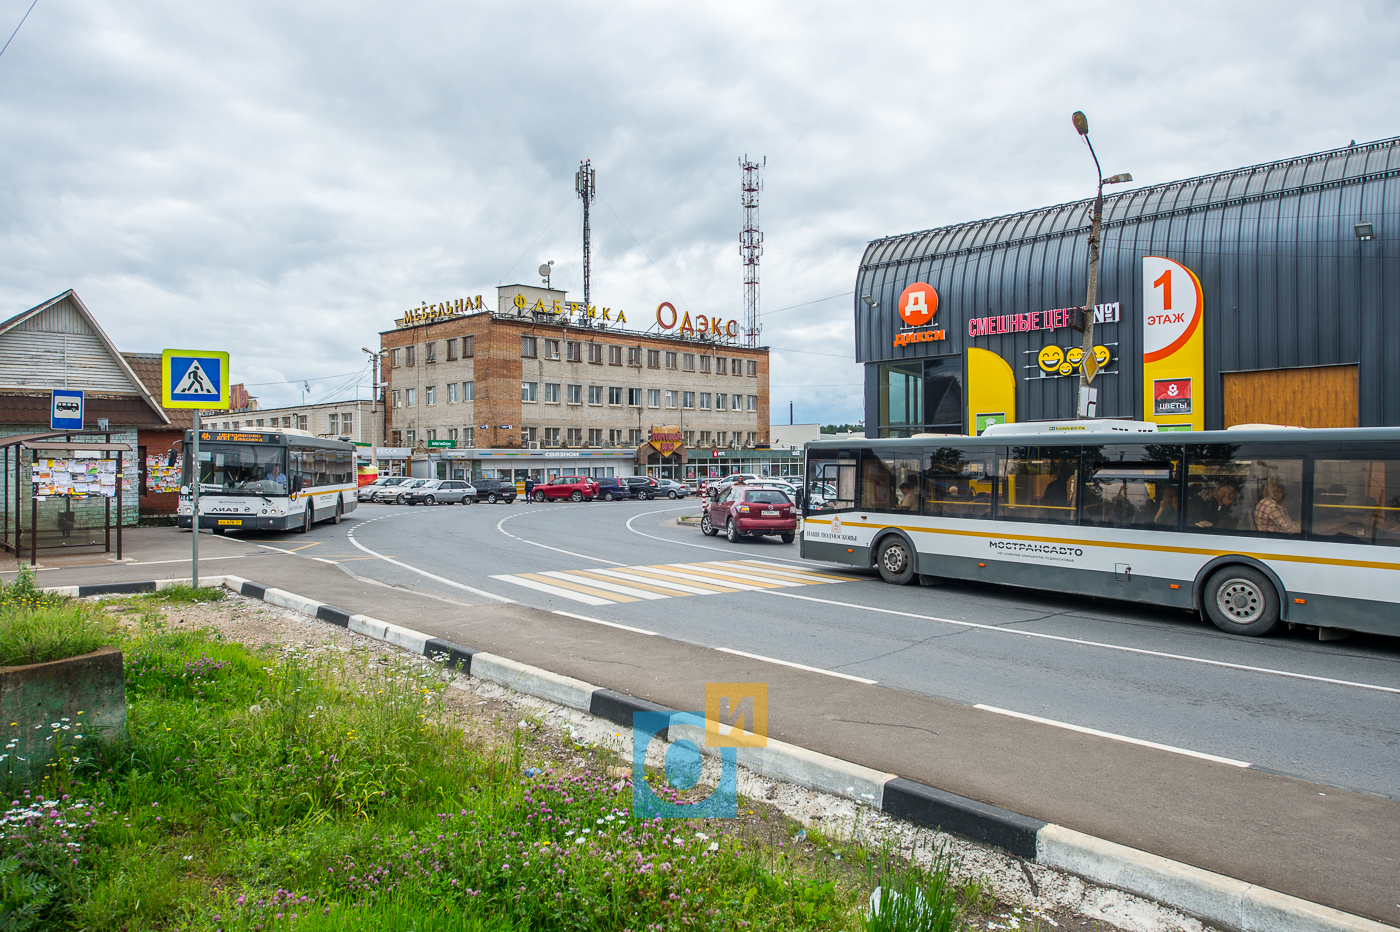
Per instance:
{"type": "Point", "coordinates": [747, 511]}
{"type": "Point", "coordinates": [574, 488]}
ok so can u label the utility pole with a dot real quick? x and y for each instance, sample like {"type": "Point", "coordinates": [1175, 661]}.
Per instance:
{"type": "Point", "coordinates": [586, 185]}
{"type": "Point", "coordinates": [751, 245]}
{"type": "Point", "coordinates": [1088, 365]}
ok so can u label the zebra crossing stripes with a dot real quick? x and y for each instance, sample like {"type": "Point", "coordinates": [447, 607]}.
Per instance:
{"type": "Point", "coordinates": [645, 583]}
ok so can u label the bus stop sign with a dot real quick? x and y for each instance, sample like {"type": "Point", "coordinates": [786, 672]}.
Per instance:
{"type": "Point", "coordinates": [66, 410]}
{"type": "Point", "coordinates": [195, 379]}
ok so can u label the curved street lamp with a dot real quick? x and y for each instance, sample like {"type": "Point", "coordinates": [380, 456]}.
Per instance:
{"type": "Point", "coordinates": [1088, 368]}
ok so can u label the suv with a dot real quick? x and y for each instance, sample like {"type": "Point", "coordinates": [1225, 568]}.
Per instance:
{"type": "Point", "coordinates": [610, 490]}
{"type": "Point", "coordinates": [493, 490]}
{"type": "Point", "coordinates": [746, 511]}
{"type": "Point", "coordinates": [643, 487]}
{"type": "Point", "coordinates": [447, 491]}
{"type": "Point", "coordinates": [574, 488]}
{"type": "Point", "coordinates": [368, 492]}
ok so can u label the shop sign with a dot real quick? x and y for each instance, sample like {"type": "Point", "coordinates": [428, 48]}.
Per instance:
{"type": "Point", "coordinates": [1039, 320]}
{"type": "Point", "coordinates": [393, 453]}
{"type": "Point", "coordinates": [431, 313]}
{"type": "Point", "coordinates": [987, 420]}
{"type": "Point", "coordinates": [443, 444]}
{"type": "Point", "coordinates": [667, 439]}
{"type": "Point", "coordinates": [568, 308]}
{"type": "Point", "coordinates": [1055, 360]}
{"type": "Point", "coordinates": [1171, 396]}
{"type": "Point", "coordinates": [716, 328]}
{"type": "Point", "coordinates": [917, 305]}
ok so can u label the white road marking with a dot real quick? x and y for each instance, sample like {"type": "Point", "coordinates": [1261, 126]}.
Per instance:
{"type": "Point", "coordinates": [433, 576]}
{"type": "Point", "coordinates": [796, 666]}
{"type": "Point", "coordinates": [1108, 734]}
{"type": "Point", "coordinates": [1118, 647]}
{"type": "Point", "coordinates": [610, 624]}
{"type": "Point", "coordinates": [661, 583]}
{"type": "Point", "coordinates": [725, 550]}
{"type": "Point", "coordinates": [559, 591]}
{"type": "Point", "coordinates": [532, 543]}
{"type": "Point", "coordinates": [202, 560]}
{"type": "Point", "coordinates": [605, 586]}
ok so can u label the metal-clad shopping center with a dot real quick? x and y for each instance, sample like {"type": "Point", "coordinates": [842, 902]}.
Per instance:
{"type": "Point", "coordinates": [1298, 271]}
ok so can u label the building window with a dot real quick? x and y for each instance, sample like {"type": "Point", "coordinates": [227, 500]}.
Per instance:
{"type": "Point", "coordinates": [551, 349]}
{"type": "Point", "coordinates": [452, 395]}
{"type": "Point", "coordinates": [687, 399]}
{"type": "Point", "coordinates": [468, 347]}
{"type": "Point", "coordinates": [411, 436]}
{"type": "Point", "coordinates": [634, 437]}
{"type": "Point", "coordinates": [614, 355]}
{"type": "Point", "coordinates": [721, 401]}
{"type": "Point", "coordinates": [736, 402]}
{"type": "Point", "coordinates": [430, 434]}
{"type": "Point", "coordinates": [614, 395]}
{"type": "Point", "coordinates": [528, 435]}
{"type": "Point", "coordinates": [287, 421]}
{"type": "Point", "coordinates": [394, 360]}
{"type": "Point", "coordinates": [653, 398]}
{"type": "Point", "coordinates": [671, 360]}
{"type": "Point", "coordinates": [671, 398]}
{"type": "Point", "coordinates": [452, 434]}
{"type": "Point", "coordinates": [260, 421]}
{"type": "Point", "coordinates": [575, 394]}
{"type": "Point", "coordinates": [688, 362]}
{"type": "Point", "coordinates": [430, 395]}
{"type": "Point", "coordinates": [595, 394]}
{"type": "Point", "coordinates": [468, 433]}
{"type": "Point", "coordinates": [410, 397]}
{"type": "Point", "coordinates": [721, 438]}
{"type": "Point", "coordinates": [551, 393]}
{"type": "Point", "coordinates": [468, 391]}
{"type": "Point", "coordinates": [551, 436]}
{"type": "Point", "coordinates": [615, 438]}
{"type": "Point", "coordinates": [653, 359]}
{"type": "Point", "coordinates": [398, 400]}
{"type": "Point", "coordinates": [573, 351]}
{"type": "Point", "coordinates": [529, 348]}
{"type": "Point", "coordinates": [301, 422]}
{"type": "Point", "coordinates": [634, 356]}
{"type": "Point", "coordinates": [430, 352]}
{"type": "Point", "coordinates": [334, 420]}
{"type": "Point", "coordinates": [410, 355]}
{"type": "Point", "coordinates": [398, 437]}
{"type": "Point", "coordinates": [704, 401]}
{"type": "Point", "coordinates": [690, 438]}
{"type": "Point", "coordinates": [753, 402]}
{"type": "Point", "coordinates": [721, 365]}
{"type": "Point", "coordinates": [451, 349]}
{"type": "Point", "coordinates": [595, 437]}
{"type": "Point", "coordinates": [753, 368]}
{"type": "Point", "coordinates": [634, 397]}
{"type": "Point", "coordinates": [753, 438]}
{"type": "Point", "coordinates": [575, 436]}
{"type": "Point", "coordinates": [347, 424]}
{"type": "Point", "coordinates": [704, 364]}
{"type": "Point", "coordinates": [595, 353]}
{"type": "Point", "coordinates": [527, 390]}
{"type": "Point", "coordinates": [704, 438]}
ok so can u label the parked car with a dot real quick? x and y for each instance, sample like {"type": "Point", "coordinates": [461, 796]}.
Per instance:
{"type": "Point", "coordinates": [612, 489]}
{"type": "Point", "coordinates": [367, 492]}
{"type": "Point", "coordinates": [643, 487]}
{"type": "Point", "coordinates": [493, 490]}
{"type": "Point", "coordinates": [717, 487]}
{"type": "Point", "coordinates": [574, 488]}
{"type": "Point", "coordinates": [671, 488]}
{"type": "Point", "coordinates": [442, 492]}
{"type": "Point", "coordinates": [398, 494]}
{"type": "Point", "coordinates": [745, 511]}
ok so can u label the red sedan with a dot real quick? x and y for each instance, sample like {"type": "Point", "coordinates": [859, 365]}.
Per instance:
{"type": "Point", "coordinates": [747, 511]}
{"type": "Point", "coordinates": [574, 488]}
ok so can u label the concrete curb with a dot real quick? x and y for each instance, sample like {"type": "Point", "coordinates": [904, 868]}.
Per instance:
{"type": "Point", "coordinates": [1214, 898]}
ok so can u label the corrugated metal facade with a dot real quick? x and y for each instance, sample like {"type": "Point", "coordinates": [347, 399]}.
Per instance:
{"type": "Point", "coordinates": [1286, 281]}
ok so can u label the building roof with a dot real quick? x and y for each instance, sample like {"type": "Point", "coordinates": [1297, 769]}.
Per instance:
{"type": "Point", "coordinates": [146, 367]}
{"type": "Point", "coordinates": [1347, 166]}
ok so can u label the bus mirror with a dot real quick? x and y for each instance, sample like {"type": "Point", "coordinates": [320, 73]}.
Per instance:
{"type": "Point", "coordinates": [170, 459]}
{"type": "Point", "coordinates": [296, 483]}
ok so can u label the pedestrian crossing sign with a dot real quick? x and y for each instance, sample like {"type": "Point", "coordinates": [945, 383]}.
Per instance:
{"type": "Point", "coordinates": [194, 379]}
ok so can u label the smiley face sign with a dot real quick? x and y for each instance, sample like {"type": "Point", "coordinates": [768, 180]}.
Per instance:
{"type": "Point", "coordinates": [917, 304]}
{"type": "Point", "coordinates": [1050, 358]}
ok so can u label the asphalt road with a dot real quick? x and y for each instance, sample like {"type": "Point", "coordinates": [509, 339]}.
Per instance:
{"type": "Point", "coordinates": [1327, 712]}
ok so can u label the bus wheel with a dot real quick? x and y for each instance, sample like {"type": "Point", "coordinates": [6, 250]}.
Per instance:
{"type": "Point", "coordinates": [1241, 600]}
{"type": "Point", "coordinates": [306, 520]}
{"type": "Point", "coordinates": [895, 562]}
{"type": "Point", "coordinates": [338, 506]}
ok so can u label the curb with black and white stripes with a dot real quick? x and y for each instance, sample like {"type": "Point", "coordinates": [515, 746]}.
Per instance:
{"type": "Point", "coordinates": [1211, 897]}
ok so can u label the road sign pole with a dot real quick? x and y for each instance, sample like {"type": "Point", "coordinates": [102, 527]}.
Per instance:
{"type": "Point", "coordinates": [194, 502]}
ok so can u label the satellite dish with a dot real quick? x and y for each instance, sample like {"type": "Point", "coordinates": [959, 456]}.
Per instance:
{"type": "Point", "coordinates": [544, 271]}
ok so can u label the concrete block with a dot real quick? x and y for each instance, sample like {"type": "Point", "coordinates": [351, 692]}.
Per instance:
{"type": "Point", "coordinates": [565, 690]}
{"type": "Point", "coordinates": [409, 640]}
{"type": "Point", "coordinates": [43, 694]}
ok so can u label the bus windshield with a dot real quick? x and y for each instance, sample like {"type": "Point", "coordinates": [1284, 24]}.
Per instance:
{"type": "Point", "coordinates": [243, 469]}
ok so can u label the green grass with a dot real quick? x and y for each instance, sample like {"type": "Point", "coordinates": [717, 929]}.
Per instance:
{"type": "Point", "coordinates": [44, 633]}
{"type": "Point", "coordinates": [254, 787]}
{"type": "Point", "coordinates": [185, 595]}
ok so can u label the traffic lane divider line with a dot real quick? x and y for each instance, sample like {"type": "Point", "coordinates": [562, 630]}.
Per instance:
{"type": "Point", "coordinates": [433, 576]}
{"type": "Point", "coordinates": [1204, 894]}
{"type": "Point", "coordinates": [610, 624]}
{"type": "Point", "coordinates": [1116, 737]}
{"type": "Point", "coordinates": [796, 666]}
{"type": "Point", "coordinates": [546, 546]}
{"type": "Point", "coordinates": [1087, 643]}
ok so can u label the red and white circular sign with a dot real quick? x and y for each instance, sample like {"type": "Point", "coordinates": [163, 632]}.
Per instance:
{"type": "Point", "coordinates": [918, 304]}
{"type": "Point", "coordinates": [1171, 307]}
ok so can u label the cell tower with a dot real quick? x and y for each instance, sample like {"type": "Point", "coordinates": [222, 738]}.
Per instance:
{"type": "Point", "coordinates": [751, 245]}
{"type": "Point", "coordinates": [586, 184]}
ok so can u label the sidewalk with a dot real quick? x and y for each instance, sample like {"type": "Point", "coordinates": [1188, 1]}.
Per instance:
{"type": "Point", "coordinates": [1330, 846]}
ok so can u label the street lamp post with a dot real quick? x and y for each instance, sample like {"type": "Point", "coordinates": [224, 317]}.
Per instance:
{"type": "Point", "coordinates": [1087, 394]}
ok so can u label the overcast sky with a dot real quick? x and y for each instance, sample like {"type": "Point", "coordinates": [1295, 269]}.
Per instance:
{"type": "Point", "coordinates": [281, 180]}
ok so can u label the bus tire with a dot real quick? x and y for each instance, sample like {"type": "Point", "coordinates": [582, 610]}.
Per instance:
{"type": "Point", "coordinates": [306, 520]}
{"type": "Point", "coordinates": [895, 561]}
{"type": "Point", "coordinates": [1241, 600]}
{"type": "Point", "coordinates": [339, 507]}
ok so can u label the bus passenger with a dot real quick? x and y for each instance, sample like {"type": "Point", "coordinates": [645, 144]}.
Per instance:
{"type": "Point", "coordinates": [1216, 507]}
{"type": "Point", "coordinates": [1270, 515]}
{"type": "Point", "coordinates": [908, 498]}
{"type": "Point", "coordinates": [1166, 507]}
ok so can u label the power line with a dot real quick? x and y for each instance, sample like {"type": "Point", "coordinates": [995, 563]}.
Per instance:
{"type": "Point", "coordinates": [644, 252]}
{"type": "Point", "coordinates": [532, 242]}
{"type": "Point", "coordinates": [790, 307]}
{"type": "Point", "coordinates": [21, 23]}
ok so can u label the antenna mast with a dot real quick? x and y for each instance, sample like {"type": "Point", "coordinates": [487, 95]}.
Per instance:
{"type": "Point", "coordinates": [751, 245]}
{"type": "Point", "coordinates": [586, 184]}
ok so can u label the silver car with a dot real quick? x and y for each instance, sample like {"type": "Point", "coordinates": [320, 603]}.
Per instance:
{"type": "Point", "coordinates": [442, 492]}
{"type": "Point", "coordinates": [398, 494]}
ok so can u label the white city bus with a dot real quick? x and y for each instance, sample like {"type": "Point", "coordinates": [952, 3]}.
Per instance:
{"type": "Point", "coordinates": [1254, 527]}
{"type": "Point", "coordinates": [251, 480]}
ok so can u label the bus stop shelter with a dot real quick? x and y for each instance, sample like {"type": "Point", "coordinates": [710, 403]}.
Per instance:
{"type": "Point", "coordinates": [57, 491]}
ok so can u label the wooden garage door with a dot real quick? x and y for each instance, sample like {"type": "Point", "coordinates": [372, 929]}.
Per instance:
{"type": "Point", "coordinates": [1323, 396]}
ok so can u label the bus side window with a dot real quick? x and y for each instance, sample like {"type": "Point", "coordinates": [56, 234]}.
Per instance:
{"type": "Point", "coordinates": [1357, 501]}
{"type": "Point", "coordinates": [1038, 484]}
{"type": "Point", "coordinates": [958, 483]}
{"type": "Point", "coordinates": [831, 483]}
{"type": "Point", "coordinates": [889, 482]}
